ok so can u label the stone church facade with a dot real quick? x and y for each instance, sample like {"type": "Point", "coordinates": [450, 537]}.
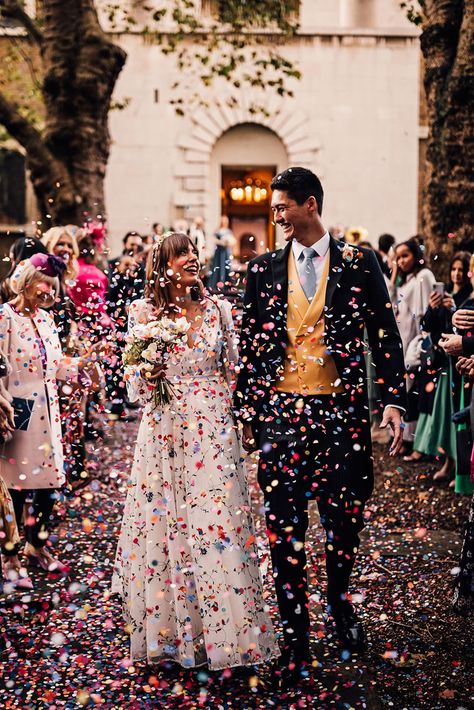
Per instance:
{"type": "Point", "coordinates": [354, 120]}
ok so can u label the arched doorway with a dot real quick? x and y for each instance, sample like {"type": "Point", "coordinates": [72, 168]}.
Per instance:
{"type": "Point", "coordinates": [243, 161]}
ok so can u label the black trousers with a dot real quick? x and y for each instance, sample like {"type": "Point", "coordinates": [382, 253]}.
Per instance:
{"type": "Point", "coordinates": [313, 448]}
{"type": "Point", "coordinates": [39, 513]}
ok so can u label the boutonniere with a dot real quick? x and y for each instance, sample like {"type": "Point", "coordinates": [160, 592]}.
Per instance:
{"type": "Point", "coordinates": [348, 253]}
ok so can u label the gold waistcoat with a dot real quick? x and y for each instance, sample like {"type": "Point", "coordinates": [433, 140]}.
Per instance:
{"type": "Point", "coordinates": [308, 368]}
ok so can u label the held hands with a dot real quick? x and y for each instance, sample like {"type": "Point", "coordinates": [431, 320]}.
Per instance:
{"type": "Point", "coordinates": [451, 344]}
{"type": "Point", "coordinates": [463, 319]}
{"type": "Point", "coordinates": [393, 417]}
{"type": "Point", "coordinates": [248, 442]}
{"type": "Point", "coordinates": [158, 373]}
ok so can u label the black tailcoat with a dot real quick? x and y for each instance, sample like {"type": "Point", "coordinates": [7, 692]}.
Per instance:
{"type": "Point", "coordinates": [357, 305]}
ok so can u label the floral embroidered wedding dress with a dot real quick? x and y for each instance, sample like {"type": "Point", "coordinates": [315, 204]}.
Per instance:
{"type": "Point", "coordinates": [187, 565]}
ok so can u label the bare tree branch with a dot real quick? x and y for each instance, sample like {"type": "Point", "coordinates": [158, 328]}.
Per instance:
{"type": "Point", "coordinates": [15, 10]}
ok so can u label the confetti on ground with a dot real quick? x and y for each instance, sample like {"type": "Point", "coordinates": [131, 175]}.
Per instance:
{"type": "Point", "coordinates": [66, 645]}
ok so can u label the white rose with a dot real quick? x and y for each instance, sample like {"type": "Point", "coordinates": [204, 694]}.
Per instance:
{"type": "Point", "coordinates": [141, 331]}
{"type": "Point", "coordinates": [182, 325]}
{"type": "Point", "coordinates": [165, 323]}
{"type": "Point", "coordinates": [150, 354]}
{"type": "Point", "coordinates": [166, 336]}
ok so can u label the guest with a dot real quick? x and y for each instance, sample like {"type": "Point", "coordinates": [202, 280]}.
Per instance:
{"type": "Point", "coordinates": [9, 536]}
{"type": "Point", "coordinates": [198, 237]}
{"type": "Point", "coordinates": [354, 235]}
{"type": "Point", "coordinates": [436, 433]}
{"type": "Point", "coordinates": [219, 275]}
{"type": "Point", "coordinates": [61, 241]}
{"type": "Point", "coordinates": [411, 286]}
{"type": "Point", "coordinates": [463, 599]}
{"type": "Point", "coordinates": [32, 462]}
{"type": "Point", "coordinates": [386, 251]}
{"type": "Point", "coordinates": [126, 284]}
{"type": "Point", "coordinates": [337, 232]}
{"type": "Point", "coordinates": [456, 345]}
{"type": "Point", "coordinates": [181, 226]}
{"type": "Point", "coordinates": [158, 230]}
{"type": "Point", "coordinates": [21, 249]}
{"type": "Point", "coordinates": [89, 291]}
{"type": "Point", "coordinates": [89, 295]}
{"type": "Point", "coordinates": [132, 246]}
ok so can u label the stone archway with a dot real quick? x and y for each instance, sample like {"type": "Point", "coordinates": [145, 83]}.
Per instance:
{"type": "Point", "coordinates": [192, 178]}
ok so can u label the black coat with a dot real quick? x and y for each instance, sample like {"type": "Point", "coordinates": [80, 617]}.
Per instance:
{"type": "Point", "coordinates": [356, 298]}
{"type": "Point", "coordinates": [123, 289]}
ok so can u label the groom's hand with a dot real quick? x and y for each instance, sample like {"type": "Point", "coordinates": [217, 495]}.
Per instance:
{"type": "Point", "coordinates": [393, 416]}
{"type": "Point", "coordinates": [248, 441]}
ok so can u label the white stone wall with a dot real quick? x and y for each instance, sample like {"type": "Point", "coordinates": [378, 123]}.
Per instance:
{"type": "Point", "coordinates": [354, 120]}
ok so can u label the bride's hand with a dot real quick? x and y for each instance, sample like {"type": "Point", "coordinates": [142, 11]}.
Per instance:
{"type": "Point", "coordinates": [158, 372]}
{"type": "Point", "coordinates": [248, 442]}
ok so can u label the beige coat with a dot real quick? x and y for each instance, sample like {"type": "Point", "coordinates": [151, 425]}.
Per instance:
{"type": "Point", "coordinates": [34, 458]}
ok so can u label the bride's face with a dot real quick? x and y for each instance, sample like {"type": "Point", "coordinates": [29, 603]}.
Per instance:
{"type": "Point", "coordinates": [183, 269]}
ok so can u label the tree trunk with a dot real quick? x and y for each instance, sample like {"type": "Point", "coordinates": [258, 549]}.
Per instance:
{"type": "Point", "coordinates": [447, 44]}
{"type": "Point", "coordinates": [81, 67]}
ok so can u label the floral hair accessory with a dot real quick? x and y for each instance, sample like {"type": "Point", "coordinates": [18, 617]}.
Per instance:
{"type": "Point", "coordinates": [159, 240]}
{"type": "Point", "coordinates": [97, 231]}
{"type": "Point", "coordinates": [48, 264]}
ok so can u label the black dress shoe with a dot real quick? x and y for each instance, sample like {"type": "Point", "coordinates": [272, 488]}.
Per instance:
{"type": "Point", "coordinates": [348, 627]}
{"type": "Point", "coordinates": [289, 672]}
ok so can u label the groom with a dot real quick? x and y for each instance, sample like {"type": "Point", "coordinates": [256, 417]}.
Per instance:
{"type": "Point", "coordinates": [302, 398]}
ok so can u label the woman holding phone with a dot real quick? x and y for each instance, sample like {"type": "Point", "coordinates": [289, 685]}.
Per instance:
{"type": "Point", "coordinates": [436, 433]}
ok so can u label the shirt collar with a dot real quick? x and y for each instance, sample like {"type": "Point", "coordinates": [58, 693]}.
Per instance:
{"type": "Point", "coordinates": [321, 246]}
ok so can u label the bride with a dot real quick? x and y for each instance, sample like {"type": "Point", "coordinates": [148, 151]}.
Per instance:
{"type": "Point", "coordinates": [187, 564]}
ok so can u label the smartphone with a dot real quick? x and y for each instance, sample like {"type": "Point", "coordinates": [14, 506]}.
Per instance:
{"type": "Point", "coordinates": [439, 288]}
{"type": "Point", "coordinates": [23, 409]}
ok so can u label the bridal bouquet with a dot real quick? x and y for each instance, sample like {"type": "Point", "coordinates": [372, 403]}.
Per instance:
{"type": "Point", "coordinates": [149, 345]}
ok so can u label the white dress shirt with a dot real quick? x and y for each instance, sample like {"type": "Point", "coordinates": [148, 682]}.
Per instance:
{"type": "Point", "coordinates": [321, 248]}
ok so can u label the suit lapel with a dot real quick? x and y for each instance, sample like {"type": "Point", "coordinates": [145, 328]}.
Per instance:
{"type": "Point", "coordinates": [336, 269]}
{"type": "Point", "coordinates": [280, 275]}
{"type": "Point", "coordinates": [280, 271]}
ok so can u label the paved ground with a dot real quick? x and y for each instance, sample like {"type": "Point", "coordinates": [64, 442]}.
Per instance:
{"type": "Point", "coordinates": [67, 646]}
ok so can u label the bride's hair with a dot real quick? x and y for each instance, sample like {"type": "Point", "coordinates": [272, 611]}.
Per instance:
{"type": "Point", "coordinates": [157, 280]}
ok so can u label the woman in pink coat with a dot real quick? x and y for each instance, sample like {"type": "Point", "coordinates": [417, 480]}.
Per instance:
{"type": "Point", "coordinates": [32, 461]}
{"type": "Point", "coordinates": [89, 291]}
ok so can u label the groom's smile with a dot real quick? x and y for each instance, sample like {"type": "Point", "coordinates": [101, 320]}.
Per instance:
{"type": "Point", "coordinates": [298, 221]}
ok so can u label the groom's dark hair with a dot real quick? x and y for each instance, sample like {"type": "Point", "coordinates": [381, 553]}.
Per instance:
{"type": "Point", "coordinates": [300, 183]}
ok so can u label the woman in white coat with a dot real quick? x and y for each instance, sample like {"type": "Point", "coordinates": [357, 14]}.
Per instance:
{"type": "Point", "coordinates": [32, 461]}
{"type": "Point", "coordinates": [411, 286]}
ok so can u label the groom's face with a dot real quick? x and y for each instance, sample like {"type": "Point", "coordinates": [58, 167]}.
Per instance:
{"type": "Point", "coordinates": [289, 215]}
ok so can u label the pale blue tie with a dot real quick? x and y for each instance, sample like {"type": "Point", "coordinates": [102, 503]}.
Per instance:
{"type": "Point", "coordinates": [307, 272]}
